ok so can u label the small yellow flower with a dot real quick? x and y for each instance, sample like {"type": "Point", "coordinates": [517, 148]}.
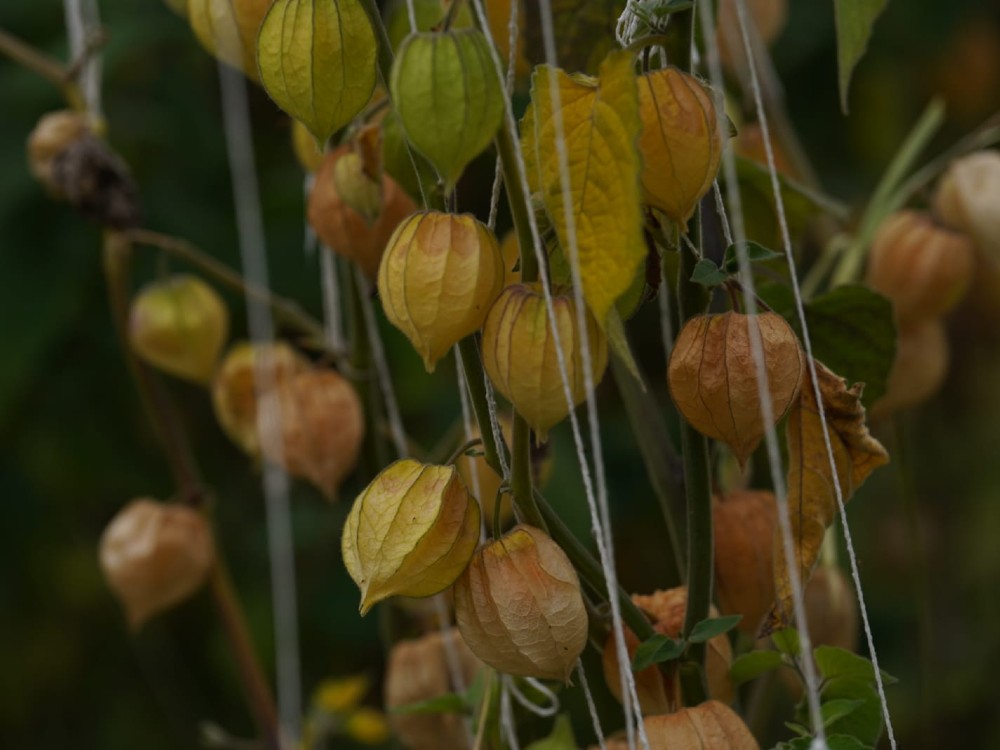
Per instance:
{"type": "Point", "coordinates": [337, 696]}
{"type": "Point", "coordinates": [367, 725]}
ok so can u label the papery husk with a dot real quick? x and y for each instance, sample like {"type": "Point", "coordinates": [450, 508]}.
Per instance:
{"type": "Point", "coordinates": [713, 377]}
{"type": "Point", "coordinates": [924, 269]}
{"type": "Point", "coordinates": [744, 524]}
{"type": "Point", "coordinates": [519, 354]}
{"type": "Point", "coordinates": [228, 30]}
{"type": "Point", "coordinates": [680, 143]}
{"type": "Point", "coordinates": [51, 136]}
{"type": "Point", "coordinates": [656, 693]}
{"type": "Point", "coordinates": [411, 532]}
{"type": "Point", "coordinates": [966, 199]}
{"type": "Point", "coordinates": [419, 670]}
{"type": "Point", "coordinates": [179, 325]}
{"type": "Point", "coordinates": [707, 726]}
{"type": "Point", "coordinates": [346, 231]}
{"type": "Point", "coordinates": [234, 387]}
{"type": "Point", "coordinates": [309, 155]}
{"type": "Point", "coordinates": [768, 17]}
{"type": "Point", "coordinates": [919, 370]}
{"type": "Point", "coordinates": [439, 276]}
{"type": "Point", "coordinates": [519, 606]}
{"type": "Point", "coordinates": [154, 556]}
{"type": "Point", "coordinates": [322, 427]}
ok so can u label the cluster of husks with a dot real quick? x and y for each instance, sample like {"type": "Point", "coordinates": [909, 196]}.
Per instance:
{"type": "Point", "coordinates": [713, 376]}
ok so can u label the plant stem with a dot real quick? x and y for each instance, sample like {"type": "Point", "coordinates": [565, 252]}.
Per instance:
{"type": "Point", "coordinates": [472, 365]}
{"type": "Point", "coordinates": [176, 449]}
{"type": "Point", "coordinates": [48, 67]}
{"type": "Point", "coordinates": [377, 452]}
{"type": "Point", "coordinates": [520, 206]}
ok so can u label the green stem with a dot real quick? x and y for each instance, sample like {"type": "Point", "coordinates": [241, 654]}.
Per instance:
{"type": "Point", "coordinates": [520, 205]}
{"type": "Point", "coordinates": [472, 366]}
{"type": "Point", "coordinates": [376, 450]}
{"type": "Point", "coordinates": [680, 36]}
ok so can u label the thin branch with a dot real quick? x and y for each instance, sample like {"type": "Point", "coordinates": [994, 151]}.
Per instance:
{"type": "Point", "coordinates": [44, 65]}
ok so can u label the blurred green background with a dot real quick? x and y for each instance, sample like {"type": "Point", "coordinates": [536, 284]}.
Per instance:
{"type": "Point", "coordinates": [75, 445]}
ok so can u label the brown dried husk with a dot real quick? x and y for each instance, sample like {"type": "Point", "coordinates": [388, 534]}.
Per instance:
{"type": "Point", "coordinates": [519, 354]}
{"type": "Point", "coordinates": [919, 370]}
{"type": "Point", "coordinates": [411, 532]}
{"type": "Point", "coordinates": [924, 269]}
{"type": "Point", "coordinates": [322, 427]}
{"type": "Point", "coordinates": [680, 142]}
{"type": "Point", "coordinates": [440, 275]}
{"type": "Point", "coordinates": [707, 726]}
{"type": "Point", "coordinates": [53, 134]}
{"type": "Point", "coordinates": [346, 231]}
{"type": "Point", "coordinates": [713, 377]}
{"type": "Point", "coordinates": [744, 524]}
{"type": "Point", "coordinates": [418, 670]}
{"type": "Point", "coordinates": [234, 388]}
{"type": "Point", "coordinates": [658, 694]}
{"type": "Point", "coordinates": [519, 606]}
{"type": "Point", "coordinates": [155, 556]}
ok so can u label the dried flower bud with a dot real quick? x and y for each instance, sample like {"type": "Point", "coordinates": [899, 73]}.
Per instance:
{"type": "Point", "coordinates": [234, 388]}
{"type": "Point", "coordinates": [680, 142]}
{"type": "Point", "coordinates": [410, 533]}
{"type": "Point", "coordinates": [419, 671]}
{"type": "Point", "coordinates": [322, 427]}
{"type": "Point", "coordinates": [767, 17]}
{"type": "Point", "coordinates": [155, 556]}
{"type": "Point", "coordinates": [713, 378]}
{"type": "Point", "coordinates": [923, 268]}
{"type": "Point", "coordinates": [440, 274]}
{"type": "Point", "coordinates": [707, 726]}
{"type": "Point", "coordinates": [344, 229]}
{"type": "Point", "coordinates": [446, 93]}
{"type": "Point", "coordinates": [656, 694]}
{"type": "Point", "coordinates": [228, 30]}
{"type": "Point", "coordinates": [519, 606]}
{"type": "Point", "coordinates": [53, 134]}
{"type": "Point", "coordinates": [519, 354]}
{"type": "Point", "coordinates": [744, 523]}
{"type": "Point", "coordinates": [919, 370]}
{"type": "Point", "coordinates": [967, 196]}
{"type": "Point", "coordinates": [309, 155]}
{"type": "Point", "coordinates": [179, 325]}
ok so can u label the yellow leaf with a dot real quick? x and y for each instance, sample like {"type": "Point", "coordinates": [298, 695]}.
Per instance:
{"type": "Point", "coordinates": [600, 121]}
{"type": "Point", "coordinates": [317, 61]}
{"type": "Point", "coordinates": [812, 500]}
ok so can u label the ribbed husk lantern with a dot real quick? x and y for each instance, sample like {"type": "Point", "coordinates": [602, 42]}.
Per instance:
{"type": "Point", "coordinates": [919, 370]}
{"type": "Point", "coordinates": [923, 268]}
{"type": "Point", "coordinates": [52, 135]}
{"type": "Point", "coordinates": [228, 30]}
{"type": "Point", "coordinates": [419, 670]}
{"type": "Point", "coordinates": [411, 532]}
{"type": "Point", "coordinates": [519, 607]}
{"type": "Point", "coordinates": [519, 354]}
{"type": "Point", "coordinates": [967, 196]}
{"type": "Point", "coordinates": [234, 388]}
{"type": "Point", "coordinates": [352, 212]}
{"type": "Point", "coordinates": [656, 693]}
{"type": "Point", "coordinates": [680, 143]}
{"type": "Point", "coordinates": [440, 275]}
{"type": "Point", "coordinates": [320, 427]}
{"type": "Point", "coordinates": [154, 556]}
{"type": "Point", "coordinates": [707, 726]}
{"type": "Point", "coordinates": [713, 377]}
{"type": "Point", "coordinates": [448, 97]}
{"type": "Point", "coordinates": [744, 523]}
{"type": "Point", "coordinates": [179, 325]}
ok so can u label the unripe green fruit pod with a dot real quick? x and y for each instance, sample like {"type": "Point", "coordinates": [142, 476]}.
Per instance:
{"type": "Point", "coordinates": [317, 61]}
{"type": "Point", "coordinates": [429, 13]}
{"type": "Point", "coordinates": [448, 97]}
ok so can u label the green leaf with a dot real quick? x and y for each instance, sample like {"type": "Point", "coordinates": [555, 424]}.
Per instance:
{"type": "Point", "coordinates": [833, 742]}
{"type": "Point", "coordinates": [317, 60]}
{"type": "Point", "coordinates": [756, 253]}
{"type": "Point", "coordinates": [855, 21]}
{"type": "Point", "coordinates": [707, 273]}
{"type": "Point", "coordinates": [854, 334]}
{"type": "Point", "coordinates": [800, 729]}
{"type": "Point", "coordinates": [707, 629]}
{"type": "Point", "coordinates": [561, 738]}
{"type": "Point", "coordinates": [865, 721]}
{"type": "Point", "coordinates": [449, 703]}
{"type": "Point", "coordinates": [838, 662]}
{"type": "Point", "coordinates": [657, 649]}
{"type": "Point", "coordinates": [787, 641]}
{"type": "Point", "coordinates": [754, 664]}
{"type": "Point", "coordinates": [838, 709]}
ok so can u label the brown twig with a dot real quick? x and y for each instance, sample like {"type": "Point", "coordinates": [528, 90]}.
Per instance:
{"type": "Point", "coordinates": [44, 65]}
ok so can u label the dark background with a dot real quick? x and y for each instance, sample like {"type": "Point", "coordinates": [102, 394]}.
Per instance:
{"type": "Point", "coordinates": [75, 445]}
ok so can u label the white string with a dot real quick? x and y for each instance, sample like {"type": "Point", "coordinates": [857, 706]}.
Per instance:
{"type": "Point", "coordinates": [82, 21]}
{"type": "Point", "coordinates": [396, 430]}
{"type": "Point", "coordinates": [787, 244]}
{"type": "Point", "coordinates": [507, 714]}
{"type": "Point", "coordinates": [253, 253]}
{"type": "Point", "coordinates": [544, 711]}
{"type": "Point", "coordinates": [628, 25]}
{"type": "Point", "coordinates": [512, 33]}
{"type": "Point", "coordinates": [591, 707]}
{"type": "Point", "coordinates": [491, 404]}
{"type": "Point", "coordinates": [469, 432]}
{"type": "Point", "coordinates": [720, 208]}
{"type": "Point", "coordinates": [411, 11]}
{"type": "Point", "coordinates": [333, 321]}
{"type": "Point", "coordinates": [629, 695]}
{"type": "Point", "coordinates": [452, 660]}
